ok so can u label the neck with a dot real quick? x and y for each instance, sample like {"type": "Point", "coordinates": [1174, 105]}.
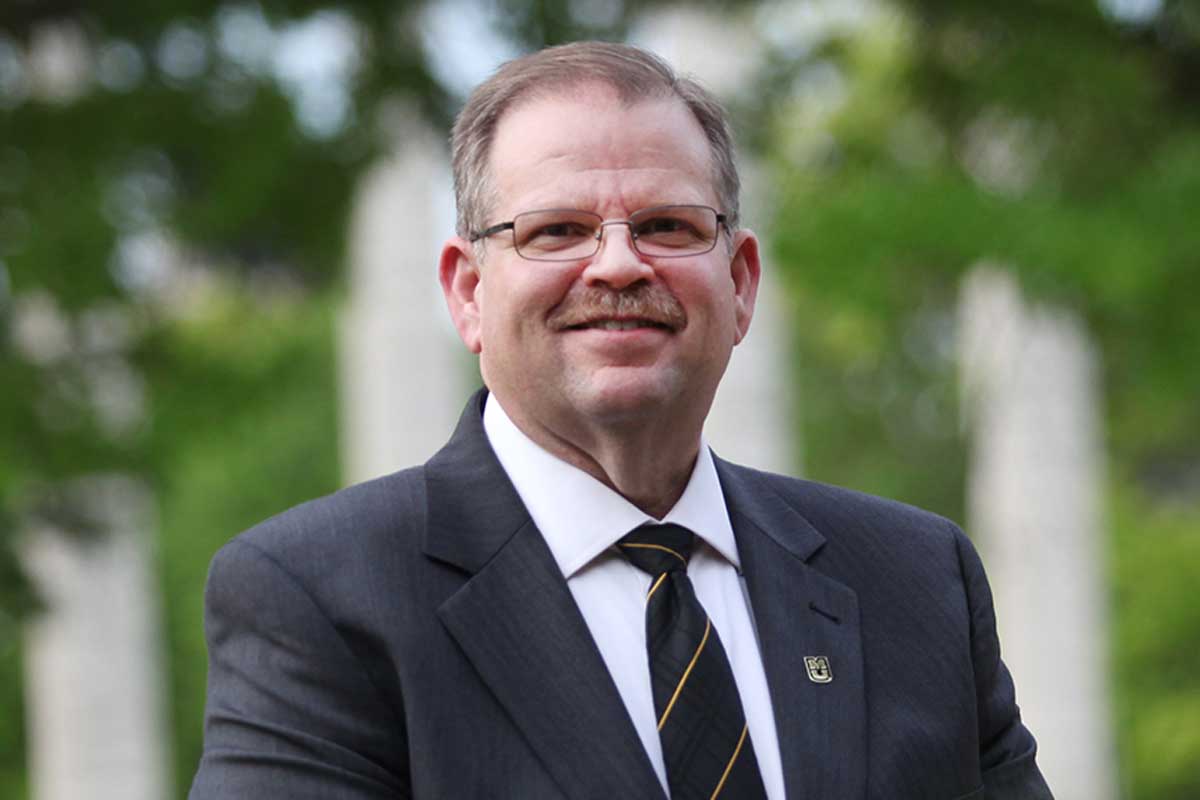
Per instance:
{"type": "Point", "coordinates": [648, 462]}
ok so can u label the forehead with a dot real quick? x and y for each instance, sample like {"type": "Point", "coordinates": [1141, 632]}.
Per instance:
{"type": "Point", "coordinates": [585, 148]}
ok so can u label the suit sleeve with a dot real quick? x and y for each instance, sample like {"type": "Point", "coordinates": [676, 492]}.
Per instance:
{"type": "Point", "coordinates": [291, 712]}
{"type": "Point", "coordinates": [1007, 748]}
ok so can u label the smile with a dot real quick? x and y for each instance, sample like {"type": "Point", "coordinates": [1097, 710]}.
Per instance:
{"type": "Point", "coordinates": [620, 325]}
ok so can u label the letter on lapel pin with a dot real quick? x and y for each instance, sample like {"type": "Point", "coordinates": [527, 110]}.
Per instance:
{"type": "Point", "coordinates": [818, 669]}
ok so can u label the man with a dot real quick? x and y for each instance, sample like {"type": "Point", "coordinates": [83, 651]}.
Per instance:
{"type": "Point", "coordinates": [575, 598]}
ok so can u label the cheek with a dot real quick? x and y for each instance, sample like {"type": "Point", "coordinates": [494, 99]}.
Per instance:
{"type": "Point", "coordinates": [513, 306]}
{"type": "Point", "coordinates": [708, 299]}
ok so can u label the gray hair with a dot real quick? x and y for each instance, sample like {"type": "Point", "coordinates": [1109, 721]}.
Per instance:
{"type": "Point", "coordinates": [634, 73]}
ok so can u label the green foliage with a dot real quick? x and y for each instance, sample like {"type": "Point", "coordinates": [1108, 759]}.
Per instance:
{"type": "Point", "coordinates": [1065, 147]}
{"type": "Point", "coordinates": [12, 741]}
{"type": "Point", "coordinates": [213, 162]}
{"type": "Point", "coordinates": [1155, 570]}
{"type": "Point", "coordinates": [875, 417]}
{"type": "Point", "coordinates": [239, 418]}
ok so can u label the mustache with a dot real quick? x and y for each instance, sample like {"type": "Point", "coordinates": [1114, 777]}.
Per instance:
{"type": "Point", "coordinates": [584, 304]}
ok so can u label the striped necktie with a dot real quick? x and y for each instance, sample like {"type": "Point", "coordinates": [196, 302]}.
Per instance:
{"type": "Point", "coordinates": [706, 744]}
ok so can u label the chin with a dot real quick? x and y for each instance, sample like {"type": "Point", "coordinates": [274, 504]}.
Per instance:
{"type": "Point", "coordinates": [629, 397]}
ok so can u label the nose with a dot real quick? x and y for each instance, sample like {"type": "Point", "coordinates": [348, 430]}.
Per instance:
{"type": "Point", "coordinates": [616, 264]}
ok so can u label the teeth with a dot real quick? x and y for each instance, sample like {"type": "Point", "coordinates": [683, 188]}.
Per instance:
{"type": "Point", "coordinates": [620, 325]}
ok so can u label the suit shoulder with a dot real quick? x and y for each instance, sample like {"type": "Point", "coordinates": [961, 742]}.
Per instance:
{"type": "Point", "coordinates": [848, 516]}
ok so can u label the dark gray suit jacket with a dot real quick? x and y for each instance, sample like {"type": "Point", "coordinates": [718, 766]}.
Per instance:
{"type": "Point", "coordinates": [412, 636]}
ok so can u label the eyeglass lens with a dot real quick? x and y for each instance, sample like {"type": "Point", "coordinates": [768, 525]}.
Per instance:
{"type": "Point", "coordinates": [565, 235]}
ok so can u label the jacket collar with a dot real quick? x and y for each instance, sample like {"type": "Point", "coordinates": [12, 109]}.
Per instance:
{"type": "Point", "coordinates": [472, 508]}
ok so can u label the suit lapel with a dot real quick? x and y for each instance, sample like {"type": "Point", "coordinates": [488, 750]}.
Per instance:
{"type": "Point", "coordinates": [517, 623]}
{"type": "Point", "coordinates": [799, 613]}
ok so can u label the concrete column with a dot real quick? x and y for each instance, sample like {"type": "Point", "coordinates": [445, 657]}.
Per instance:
{"type": "Point", "coordinates": [93, 665]}
{"type": "Point", "coordinates": [404, 373]}
{"type": "Point", "coordinates": [1036, 471]}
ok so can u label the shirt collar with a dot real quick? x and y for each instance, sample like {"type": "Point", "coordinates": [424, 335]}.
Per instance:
{"type": "Point", "coordinates": [580, 517]}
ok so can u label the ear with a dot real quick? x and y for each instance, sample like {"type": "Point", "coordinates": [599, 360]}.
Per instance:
{"type": "Point", "coordinates": [745, 269]}
{"type": "Point", "coordinates": [461, 286]}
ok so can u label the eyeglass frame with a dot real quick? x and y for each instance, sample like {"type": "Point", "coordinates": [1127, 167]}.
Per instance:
{"type": "Point", "coordinates": [510, 225]}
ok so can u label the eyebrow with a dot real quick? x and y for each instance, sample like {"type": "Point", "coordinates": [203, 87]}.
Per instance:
{"type": "Point", "coordinates": [590, 207]}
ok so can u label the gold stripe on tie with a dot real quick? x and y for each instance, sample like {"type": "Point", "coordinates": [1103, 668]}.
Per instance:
{"type": "Point", "coordinates": [658, 547]}
{"type": "Point", "coordinates": [654, 588]}
{"type": "Point", "coordinates": [686, 672]}
{"type": "Point", "coordinates": [729, 767]}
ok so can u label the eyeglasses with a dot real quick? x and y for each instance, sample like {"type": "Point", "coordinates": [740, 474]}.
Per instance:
{"type": "Point", "coordinates": [566, 234]}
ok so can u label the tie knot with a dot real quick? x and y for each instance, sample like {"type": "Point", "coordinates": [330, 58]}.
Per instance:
{"type": "Point", "coordinates": [658, 548]}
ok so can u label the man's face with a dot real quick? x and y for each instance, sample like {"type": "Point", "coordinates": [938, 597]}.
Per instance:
{"type": "Point", "coordinates": [611, 338]}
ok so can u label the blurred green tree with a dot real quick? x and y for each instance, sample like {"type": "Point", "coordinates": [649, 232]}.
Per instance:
{"type": "Point", "coordinates": [1060, 140]}
{"type": "Point", "coordinates": [135, 137]}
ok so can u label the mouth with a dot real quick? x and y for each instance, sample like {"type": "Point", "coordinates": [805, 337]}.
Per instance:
{"type": "Point", "coordinates": [620, 325]}
{"type": "Point", "coordinates": [642, 308]}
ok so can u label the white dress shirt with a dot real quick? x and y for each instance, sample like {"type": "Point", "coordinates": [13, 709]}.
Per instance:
{"type": "Point", "coordinates": [582, 519]}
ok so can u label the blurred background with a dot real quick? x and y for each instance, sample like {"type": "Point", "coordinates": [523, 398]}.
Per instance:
{"type": "Point", "coordinates": [218, 232]}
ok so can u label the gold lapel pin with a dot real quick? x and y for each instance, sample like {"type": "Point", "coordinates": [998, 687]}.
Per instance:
{"type": "Point", "coordinates": [818, 669]}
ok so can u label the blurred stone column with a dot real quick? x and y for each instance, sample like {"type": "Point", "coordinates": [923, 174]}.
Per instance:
{"type": "Point", "coordinates": [1036, 471]}
{"type": "Point", "coordinates": [404, 374]}
{"type": "Point", "coordinates": [752, 419]}
{"type": "Point", "coordinates": [93, 666]}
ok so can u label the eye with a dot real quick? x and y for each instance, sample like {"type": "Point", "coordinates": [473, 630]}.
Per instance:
{"type": "Point", "coordinates": [555, 233]}
{"type": "Point", "coordinates": [556, 230]}
{"type": "Point", "coordinates": [663, 225]}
